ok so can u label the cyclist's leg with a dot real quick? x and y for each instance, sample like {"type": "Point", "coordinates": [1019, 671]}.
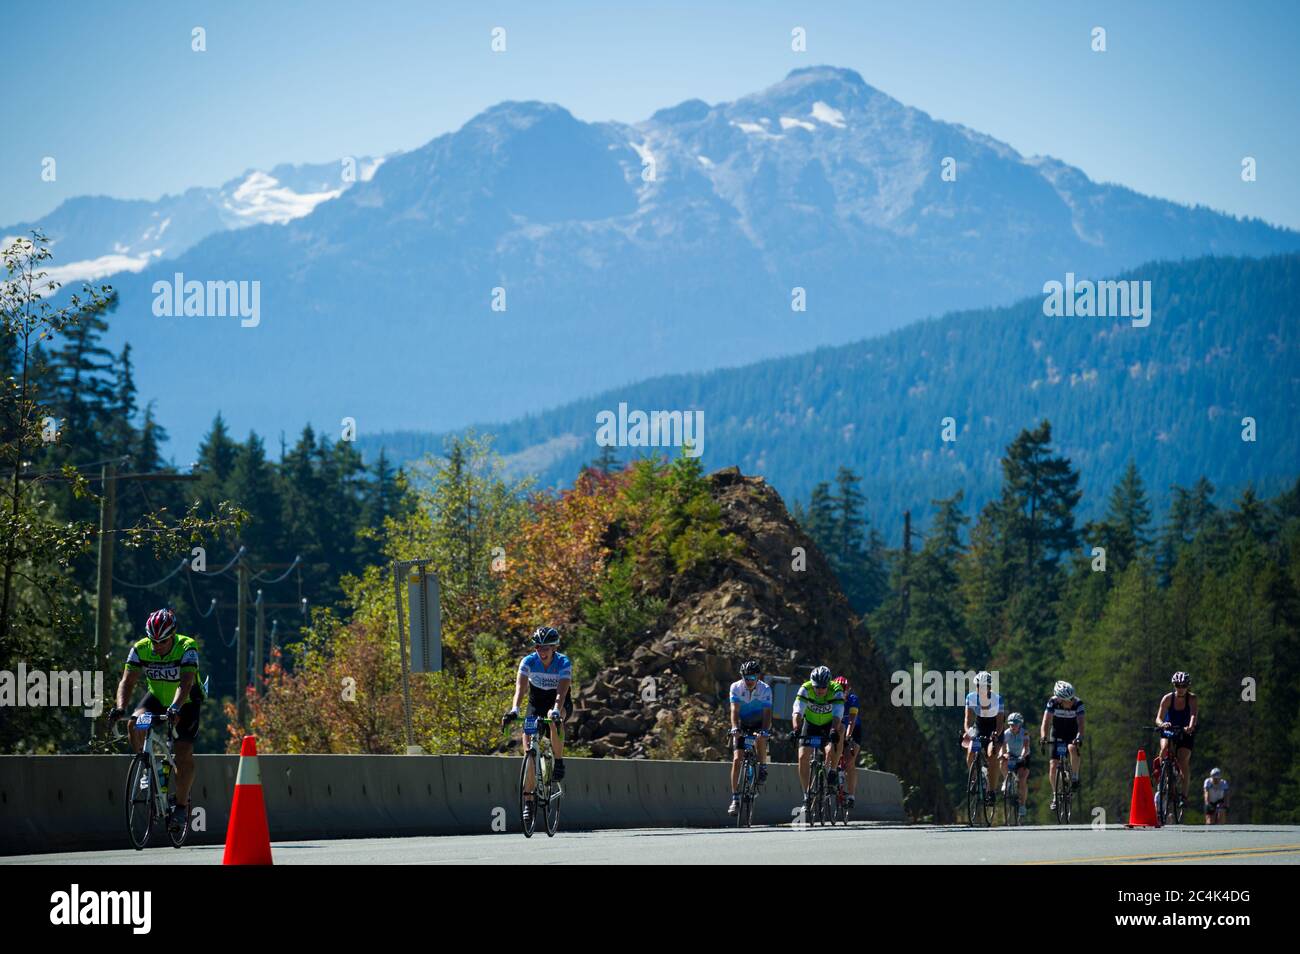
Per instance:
{"type": "Point", "coordinates": [1184, 753]}
{"type": "Point", "coordinates": [990, 754]}
{"type": "Point", "coordinates": [147, 704]}
{"type": "Point", "coordinates": [1022, 781]}
{"type": "Point", "coordinates": [187, 730]}
{"type": "Point", "coordinates": [805, 764]}
{"type": "Point", "coordinates": [760, 749]}
{"type": "Point", "coordinates": [1075, 759]}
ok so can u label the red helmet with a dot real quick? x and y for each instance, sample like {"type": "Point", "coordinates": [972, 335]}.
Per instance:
{"type": "Point", "coordinates": [160, 625]}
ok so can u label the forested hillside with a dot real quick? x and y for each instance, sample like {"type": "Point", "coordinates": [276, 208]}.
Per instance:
{"type": "Point", "coordinates": [1222, 345]}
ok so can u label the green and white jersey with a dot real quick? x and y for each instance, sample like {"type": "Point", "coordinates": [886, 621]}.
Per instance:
{"type": "Point", "coordinates": [163, 673]}
{"type": "Point", "coordinates": [819, 708]}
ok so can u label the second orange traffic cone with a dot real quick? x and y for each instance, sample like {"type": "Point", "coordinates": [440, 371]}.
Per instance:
{"type": "Point", "coordinates": [1142, 809]}
{"type": "Point", "coordinates": [248, 840]}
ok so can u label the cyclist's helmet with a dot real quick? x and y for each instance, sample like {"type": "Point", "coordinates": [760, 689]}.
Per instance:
{"type": "Point", "coordinates": [160, 625]}
{"type": "Point", "coordinates": [750, 669]}
{"type": "Point", "coordinates": [821, 677]}
{"type": "Point", "coordinates": [1180, 678]}
{"type": "Point", "coordinates": [1063, 690]}
{"type": "Point", "coordinates": [841, 683]}
{"type": "Point", "coordinates": [1015, 719]}
{"type": "Point", "coordinates": [546, 636]}
{"type": "Point", "coordinates": [1215, 773]}
{"type": "Point", "coordinates": [984, 679]}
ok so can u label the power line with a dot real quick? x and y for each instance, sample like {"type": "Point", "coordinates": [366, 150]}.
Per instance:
{"type": "Point", "coordinates": [155, 584]}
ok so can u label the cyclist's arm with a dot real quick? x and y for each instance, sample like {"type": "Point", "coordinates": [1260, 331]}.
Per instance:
{"type": "Point", "coordinates": [1042, 729]}
{"type": "Point", "coordinates": [562, 693]}
{"type": "Point", "coordinates": [1195, 719]}
{"type": "Point", "coordinates": [735, 714]}
{"type": "Point", "coordinates": [1079, 718]}
{"type": "Point", "coordinates": [126, 687]}
{"type": "Point", "coordinates": [1162, 712]}
{"type": "Point", "coordinates": [186, 685]}
{"type": "Point", "coordinates": [521, 686]}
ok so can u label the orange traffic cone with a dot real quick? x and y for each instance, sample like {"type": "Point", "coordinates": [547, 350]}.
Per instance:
{"type": "Point", "coordinates": [248, 840]}
{"type": "Point", "coordinates": [1142, 809]}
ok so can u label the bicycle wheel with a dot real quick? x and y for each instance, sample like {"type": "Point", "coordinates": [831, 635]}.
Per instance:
{"type": "Point", "coordinates": [1162, 798]}
{"type": "Point", "coordinates": [139, 800]}
{"type": "Point", "coordinates": [551, 804]}
{"type": "Point", "coordinates": [747, 797]}
{"type": "Point", "coordinates": [978, 811]}
{"type": "Point", "coordinates": [819, 784]}
{"type": "Point", "coordinates": [1062, 794]}
{"type": "Point", "coordinates": [526, 821]}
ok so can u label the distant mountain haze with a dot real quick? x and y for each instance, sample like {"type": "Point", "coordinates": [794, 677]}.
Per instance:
{"type": "Point", "coordinates": [1223, 345]}
{"type": "Point", "coordinates": [622, 252]}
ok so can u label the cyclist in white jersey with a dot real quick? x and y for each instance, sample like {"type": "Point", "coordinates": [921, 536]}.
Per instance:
{"type": "Point", "coordinates": [1217, 798]}
{"type": "Point", "coordinates": [751, 714]}
{"type": "Point", "coordinates": [1013, 754]}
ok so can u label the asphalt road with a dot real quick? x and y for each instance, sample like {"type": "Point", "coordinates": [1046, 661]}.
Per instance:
{"type": "Point", "coordinates": [860, 843]}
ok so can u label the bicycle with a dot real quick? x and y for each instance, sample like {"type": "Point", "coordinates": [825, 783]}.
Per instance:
{"type": "Point", "coordinates": [841, 806]}
{"type": "Point", "coordinates": [817, 807]}
{"type": "Point", "coordinates": [749, 789]}
{"type": "Point", "coordinates": [547, 791]}
{"type": "Point", "coordinates": [1169, 789]}
{"type": "Point", "coordinates": [979, 801]}
{"type": "Point", "coordinates": [147, 779]}
{"type": "Point", "coordinates": [1063, 790]}
{"type": "Point", "coordinates": [1011, 793]}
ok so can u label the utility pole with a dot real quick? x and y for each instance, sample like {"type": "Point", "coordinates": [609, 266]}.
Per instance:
{"type": "Point", "coordinates": [104, 590]}
{"type": "Point", "coordinates": [241, 643]}
{"type": "Point", "coordinates": [259, 661]}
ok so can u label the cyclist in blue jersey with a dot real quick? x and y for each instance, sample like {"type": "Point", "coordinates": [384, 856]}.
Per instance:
{"type": "Point", "coordinates": [547, 675]}
{"type": "Point", "coordinates": [985, 714]}
{"type": "Point", "coordinates": [852, 735]}
{"type": "Point", "coordinates": [1014, 756]}
{"type": "Point", "coordinates": [1063, 718]}
{"type": "Point", "coordinates": [751, 714]}
{"type": "Point", "coordinates": [1178, 714]}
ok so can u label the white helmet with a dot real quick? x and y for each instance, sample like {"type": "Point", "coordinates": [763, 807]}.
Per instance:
{"type": "Point", "coordinates": [1063, 690]}
{"type": "Point", "coordinates": [1215, 773]}
{"type": "Point", "coordinates": [984, 678]}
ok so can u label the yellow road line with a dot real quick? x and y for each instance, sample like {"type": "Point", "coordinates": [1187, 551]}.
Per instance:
{"type": "Point", "coordinates": [1174, 855]}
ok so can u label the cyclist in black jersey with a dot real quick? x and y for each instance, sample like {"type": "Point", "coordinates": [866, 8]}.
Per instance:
{"type": "Point", "coordinates": [1178, 712]}
{"type": "Point", "coordinates": [1063, 718]}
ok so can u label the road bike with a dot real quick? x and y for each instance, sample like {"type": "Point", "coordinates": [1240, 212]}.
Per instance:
{"type": "Point", "coordinates": [979, 800]}
{"type": "Point", "coordinates": [841, 797]}
{"type": "Point", "coordinates": [547, 791]}
{"type": "Point", "coordinates": [1011, 793]}
{"type": "Point", "coordinates": [749, 790]}
{"type": "Point", "coordinates": [1063, 790]}
{"type": "Point", "coordinates": [1169, 788]}
{"type": "Point", "coordinates": [818, 805]}
{"type": "Point", "coordinates": [148, 779]}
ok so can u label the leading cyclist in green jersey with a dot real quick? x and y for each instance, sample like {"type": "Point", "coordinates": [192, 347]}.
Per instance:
{"type": "Point", "coordinates": [170, 664]}
{"type": "Point", "coordinates": [818, 711]}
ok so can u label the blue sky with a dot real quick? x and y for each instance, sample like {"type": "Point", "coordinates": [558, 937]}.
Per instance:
{"type": "Point", "coordinates": [1184, 91]}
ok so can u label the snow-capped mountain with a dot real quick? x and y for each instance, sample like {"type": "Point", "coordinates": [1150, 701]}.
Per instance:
{"type": "Point", "coordinates": [95, 236]}
{"type": "Point", "coordinates": [619, 252]}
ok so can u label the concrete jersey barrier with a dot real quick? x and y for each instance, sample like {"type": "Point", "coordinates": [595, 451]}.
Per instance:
{"type": "Point", "coordinates": [62, 802]}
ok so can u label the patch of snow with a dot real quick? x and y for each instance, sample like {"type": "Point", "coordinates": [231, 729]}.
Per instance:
{"type": "Point", "coordinates": [789, 123]}
{"type": "Point", "coordinates": [825, 113]}
{"type": "Point", "coordinates": [260, 199]}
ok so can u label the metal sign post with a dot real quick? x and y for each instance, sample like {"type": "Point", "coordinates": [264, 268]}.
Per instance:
{"type": "Point", "coordinates": [426, 641]}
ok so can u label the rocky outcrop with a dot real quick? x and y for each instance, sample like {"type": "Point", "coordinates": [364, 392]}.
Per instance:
{"type": "Point", "coordinates": [669, 697]}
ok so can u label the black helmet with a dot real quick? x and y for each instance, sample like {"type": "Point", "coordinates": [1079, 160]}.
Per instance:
{"type": "Point", "coordinates": [1180, 678]}
{"type": "Point", "coordinates": [546, 636]}
{"type": "Point", "coordinates": [750, 668]}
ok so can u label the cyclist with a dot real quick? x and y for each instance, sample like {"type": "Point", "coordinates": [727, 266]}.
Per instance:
{"type": "Point", "coordinates": [751, 714]}
{"type": "Point", "coordinates": [852, 737]}
{"type": "Point", "coordinates": [547, 674]}
{"type": "Point", "coordinates": [1217, 798]}
{"type": "Point", "coordinates": [984, 712]}
{"type": "Point", "coordinates": [1064, 718]}
{"type": "Point", "coordinates": [1013, 755]}
{"type": "Point", "coordinates": [1177, 712]}
{"type": "Point", "coordinates": [170, 663]}
{"type": "Point", "coordinates": [818, 709]}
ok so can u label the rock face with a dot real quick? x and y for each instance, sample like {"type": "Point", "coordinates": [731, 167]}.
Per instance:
{"type": "Point", "coordinates": [669, 697]}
